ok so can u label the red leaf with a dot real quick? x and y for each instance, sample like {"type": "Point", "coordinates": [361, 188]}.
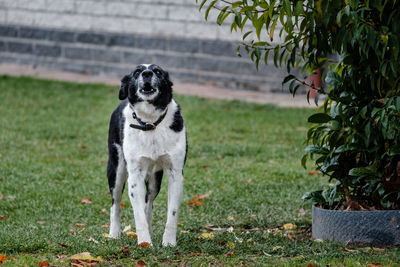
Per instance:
{"type": "Point", "coordinates": [144, 244]}
{"type": "Point", "coordinates": [83, 147]}
{"type": "Point", "coordinates": [140, 263]}
{"type": "Point", "coordinates": [3, 217]}
{"type": "Point", "coordinates": [3, 258]}
{"type": "Point", "coordinates": [198, 203]}
{"type": "Point", "coordinates": [122, 205]}
{"type": "Point", "coordinates": [63, 245]}
{"type": "Point", "coordinates": [42, 263]}
{"type": "Point", "coordinates": [229, 254]}
{"type": "Point", "coordinates": [313, 173]}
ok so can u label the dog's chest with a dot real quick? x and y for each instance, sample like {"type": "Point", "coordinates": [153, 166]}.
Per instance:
{"type": "Point", "coordinates": [154, 145]}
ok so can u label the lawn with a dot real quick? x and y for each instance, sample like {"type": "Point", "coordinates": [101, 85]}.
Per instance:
{"type": "Point", "coordinates": [244, 160]}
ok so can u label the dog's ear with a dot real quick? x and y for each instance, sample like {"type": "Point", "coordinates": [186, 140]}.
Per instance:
{"type": "Point", "coordinates": [168, 80]}
{"type": "Point", "coordinates": [123, 90]}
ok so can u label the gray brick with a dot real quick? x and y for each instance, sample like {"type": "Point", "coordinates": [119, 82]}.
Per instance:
{"type": "Point", "coordinates": [120, 40]}
{"type": "Point", "coordinates": [237, 67]}
{"type": "Point", "coordinates": [23, 48]}
{"type": "Point", "coordinates": [62, 36]}
{"type": "Point", "coordinates": [92, 38]}
{"type": "Point", "coordinates": [219, 48]}
{"type": "Point", "coordinates": [9, 31]}
{"type": "Point", "coordinates": [77, 53]}
{"type": "Point", "coordinates": [145, 42]}
{"type": "Point", "coordinates": [202, 63]}
{"type": "Point", "coordinates": [106, 55]}
{"type": "Point", "coordinates": [169, 61]}
{"type": "Point", "coordinates": [136, 58]}
{"type": "Point", "coordinates": [2, 46]}
{"type": "Point", "coordinates": [34, 33]}
{"type": "Point", "coordinates": [48, 50]}
{"type": "Point", "coordinates": [184, 45]}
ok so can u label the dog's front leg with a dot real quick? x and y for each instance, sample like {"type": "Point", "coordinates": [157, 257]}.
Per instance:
{"type": "Point", "coordinates": [137, 194]}
{"type": "Point", "coordinates": [175, 188]}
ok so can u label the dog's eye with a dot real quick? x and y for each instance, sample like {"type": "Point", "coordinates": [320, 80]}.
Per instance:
{"type": "Point", "coordinates": [158, 72]}
{"type": "Point", "coordinates": [136, 73]}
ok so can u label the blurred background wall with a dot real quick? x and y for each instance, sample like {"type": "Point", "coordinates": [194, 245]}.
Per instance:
{"type": "Point", "coordinates": [112, 36]}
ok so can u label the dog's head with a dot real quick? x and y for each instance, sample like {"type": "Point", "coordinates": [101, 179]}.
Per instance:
{"type": "Point", "coordinates": [147, 83]}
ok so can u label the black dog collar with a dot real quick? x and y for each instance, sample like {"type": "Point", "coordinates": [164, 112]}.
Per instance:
{"type": "Point", "coordinates": [147, 126]}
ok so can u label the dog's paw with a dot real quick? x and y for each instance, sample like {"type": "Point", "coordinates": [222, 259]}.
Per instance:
{"type": "Point", "coordinates": [169, 240]}
{"type": "Point", "coordinates": [115, 234]}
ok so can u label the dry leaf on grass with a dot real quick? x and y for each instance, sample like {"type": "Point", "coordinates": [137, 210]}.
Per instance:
{"type": "Point", "coordinates": [122, 205]}
{"type": "Point", "coordinates": [140, 263]}
{"type": "Point", "coordinates": [3, 217]}
{"type": "Point", "coordinates": [42, 263]}
{"type": "Point", "coordinates": [144, 244]}
{"type": "Point", "coordinates": [313, 173]}
{"type": "Point", "coordinates": [107, 225]}
{"type": "Point", "coordinates": [289, 226]}
{"type": "Point", "coordinates": [104, 211]}
{"type": "Point", "coordinates": [230, 245]}
{"type": "Point", "coordinates": [86, 200]}
{"type": "Point", "coordinates": [131, 234]}
{"type": "Point", "coordinates": [85, 256]}
{"type": "Point", "coordinates": [3, 258]}
{"type": "Point", "coordinates": [79, 224]}
{"type": "Point", "coordinates": [209, 236]}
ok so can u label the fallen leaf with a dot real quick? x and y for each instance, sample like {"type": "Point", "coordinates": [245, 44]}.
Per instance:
{"type": "Point", "coordinates": [374, 264]}
{"type": "Point", "coordinates": [231, 218]}
{"type": "Point", "coordinates": [140, 263]}
{"type": "Point", "coordinates": [41, 222]}
{"type": "Point", "coordinates": [104, 211]}
{"type": "Point", "coordinates": [276, 248]}
{"type": "Point", "coordinates": [127, 228]}
{"type": "Point", "coordinates": [106, 235]}
{"type": "Point", "coordinates": [289, 226]}
{"type": "Point", "coordinates": [348, 250]}
{"type": "Point", "coordinates": [229, 254]}
{"type": "Point", "coordinates": [63, 245]}
{"type": "Point", "coordinates": [83, 147]}
{"type": "Point", "coordinates": [42, 263]}
{"type": "Point", "coordinates": [131, 234]}
{"type": "Point", "coordinates": [91, 239]}
{"type": "Point", "coordinates": [311, 265]}
{"type": "Point", "coordinates": [318, 240]}
{"type": "Point", "coordinates": [199, 203]}
{"type": "Point", "coordinates": [71, 231]}
{"type": "Point", "coordinates": [79, 224]}
{"type": "Point", "coordinates": [3, 258]}
{"type": "Point", "coordinates": [191, 202]}
{"type": "Point", "coordinates": [205, 166]}
{"type": "Point", "coordinates": [3, 217]}
{"type": "Point", "coordinates": [249, 180]}
{"type": "Point", "coordinates": [144, 244]}
{"type": "Point", "coordinates": [85, 256]}
{"type": "Point", "coordinates": [185, 231]}
{"type": "Point", "coordinates": [313, 173]}
{"type": "Point", "coordinates": [61, 256]}
{"type": "Point", "coordinates": [125, 249]}
{"type": "Point", "coordinates": [230, 245]}
{"type": "Point", "coordinates": [206, 236]}
{"type": "Point", "coordinates": [107, 225]}
{"type": "Point", "coordinates": [377, 249]}
{"type": "Point", "coordinates": [86, 200]}
{"type": "Point", "coordinates": [195, 253]}
{"type": "Point", "coordinates": [253, 216]}
{"type": "Point", "coordinates": [1, 196]}
{"type": "Point", "coordinates": [300, 257]}
{"type": "Point", "coordinates": [122, 205]}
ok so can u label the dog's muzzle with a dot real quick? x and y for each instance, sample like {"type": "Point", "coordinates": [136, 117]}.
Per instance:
{"type": "Point", "coordinates": [147, 87]}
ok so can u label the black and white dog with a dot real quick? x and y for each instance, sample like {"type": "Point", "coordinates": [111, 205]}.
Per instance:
{"type": "Point", "coordinates": [147, 137]}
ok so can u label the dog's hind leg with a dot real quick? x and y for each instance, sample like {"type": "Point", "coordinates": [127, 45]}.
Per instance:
{"type": "Point", "coordinates": [175, 188]}
{"type": "Point", "coordinates": [153, 185]}
{"type": "Point", "coordinates": [117, 175]}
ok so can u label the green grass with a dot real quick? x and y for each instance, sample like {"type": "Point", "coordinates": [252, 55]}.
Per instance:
{"type": "Point", "coordinates": [53, 153]}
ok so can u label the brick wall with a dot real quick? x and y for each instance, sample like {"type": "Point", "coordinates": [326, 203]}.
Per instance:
{"type": "Point", "coordinates": [111, 36]}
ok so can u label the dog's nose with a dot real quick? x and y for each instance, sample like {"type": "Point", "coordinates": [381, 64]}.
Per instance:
{"type": "Point", "coordinates": [147, 74]}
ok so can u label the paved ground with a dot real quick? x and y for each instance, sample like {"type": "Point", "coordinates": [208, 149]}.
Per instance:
{"type": "Point", "coordinates": [206, 91]}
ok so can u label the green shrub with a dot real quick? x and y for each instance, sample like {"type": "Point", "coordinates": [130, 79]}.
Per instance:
{"type": "Point", "coordinates": [354, 138]}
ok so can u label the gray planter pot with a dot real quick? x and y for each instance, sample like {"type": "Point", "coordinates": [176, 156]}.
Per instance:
{"type": "Point", "coordinates": [373, 227]}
